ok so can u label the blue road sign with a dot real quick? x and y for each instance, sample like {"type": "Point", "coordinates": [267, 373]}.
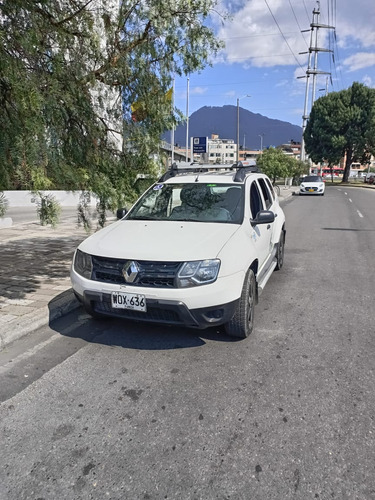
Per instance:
{"type": "Point", "coordinates": [199, 144]}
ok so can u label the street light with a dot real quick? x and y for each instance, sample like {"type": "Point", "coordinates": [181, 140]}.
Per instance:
{"type": "Point", "coordinates": [238, 124]}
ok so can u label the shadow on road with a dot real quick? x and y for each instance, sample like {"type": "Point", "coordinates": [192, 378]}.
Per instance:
{"type": "Point", "coordinates": [131, 334]}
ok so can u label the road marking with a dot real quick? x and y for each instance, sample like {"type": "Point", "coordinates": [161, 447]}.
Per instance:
{"type": "Point", "coordinates": [346, 193]}
{"type": "Point", "coordinates": [359, 213]}
{"type": "Point", "coordinates": [350, 200]}
{"type": "Point", "coordinates": [27, 354]}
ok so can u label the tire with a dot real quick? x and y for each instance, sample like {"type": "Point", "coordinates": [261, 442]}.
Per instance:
{"type": "Point", "coordinates": [242, 322]}
{"type": "Point", "coordinates": [280, 252]}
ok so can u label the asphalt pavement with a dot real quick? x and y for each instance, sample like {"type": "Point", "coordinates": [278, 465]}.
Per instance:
{"type": "Point", "coordinates": [34, 273]}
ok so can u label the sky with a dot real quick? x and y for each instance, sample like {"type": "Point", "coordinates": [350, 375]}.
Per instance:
{"type": "Point", "coordinates": [262, 57]}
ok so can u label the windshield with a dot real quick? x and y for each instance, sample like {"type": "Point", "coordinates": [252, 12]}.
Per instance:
{"type": "Point", "coordinates": [191, 202]}
{"type": "Point", "coordinates": [312, 178]}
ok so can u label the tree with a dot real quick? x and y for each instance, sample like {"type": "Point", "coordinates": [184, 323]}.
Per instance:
{"type": "Point", "coordinates": [70, 71]}
{"type": "Point", "coordinates": [274, 163]}
{"type": "Point", "coordinates": [342, 125]}
{"type": "Point", "coordinates": [297, 168]}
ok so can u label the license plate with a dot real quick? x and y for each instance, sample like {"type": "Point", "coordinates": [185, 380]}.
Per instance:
{"type": "Point", "coordinates": [311, 190]}
{"type": "Point", "coordinates": [123, 300]}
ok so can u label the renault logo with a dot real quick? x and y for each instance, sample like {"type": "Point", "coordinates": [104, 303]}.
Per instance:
{"type": "Point", "coordinates": [130, 271]}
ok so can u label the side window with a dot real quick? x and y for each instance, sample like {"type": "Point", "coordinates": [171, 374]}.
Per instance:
{"type": "Point", "coordinates": [266, 193]}
{"type": "Point", "coordinates": [270, 188]}
{"type": "Point", "coordinates": [255, 200]}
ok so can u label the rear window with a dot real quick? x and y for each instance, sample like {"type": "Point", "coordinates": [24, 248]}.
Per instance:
{"type": "Point", "coordinates": [312, 178]}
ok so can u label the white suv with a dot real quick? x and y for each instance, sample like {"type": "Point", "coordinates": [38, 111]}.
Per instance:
{"type": "Point", "coordinates": [195, 250]}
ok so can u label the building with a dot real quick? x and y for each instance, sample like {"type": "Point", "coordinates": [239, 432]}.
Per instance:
{"type": "Point", "coordinates": [221, 151]}
{"type": "Point", "coordinates": [292, 148]}
{"type": "Point", "coordinates": [249, 154]}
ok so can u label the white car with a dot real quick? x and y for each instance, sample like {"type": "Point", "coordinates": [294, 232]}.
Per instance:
{"type": "Point", "coordinates": [195, 250]}
{"type": "Point", "coordinates": [369, 178]}
{"type": "Point", "coordinates": [312, 184]}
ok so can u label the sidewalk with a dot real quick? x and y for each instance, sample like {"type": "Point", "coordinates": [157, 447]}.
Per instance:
{"type": "Point", "coordinates": [34, 274]}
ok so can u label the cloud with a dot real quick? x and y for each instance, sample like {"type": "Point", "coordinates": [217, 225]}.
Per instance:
{"type": "Point", "coordinates": [259, 36]}
{"type": "Point", "coordinates": [198, 90]}
{"type": "Point", "coordinates": [355, 23]}
{"type": "Point", "coordinates": [368, 81]}
{"type": "Point", "coordinates": [359, 60]}
{"type": "Point", "coordinates": [282, 83]}
{"type": "Point", "coordinates": [266, 33]}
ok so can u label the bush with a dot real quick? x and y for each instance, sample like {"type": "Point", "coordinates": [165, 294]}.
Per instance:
{"type": "Point", "coordinates": [48, 209]}
{"type": "Point", "coordinates": [3, 204]}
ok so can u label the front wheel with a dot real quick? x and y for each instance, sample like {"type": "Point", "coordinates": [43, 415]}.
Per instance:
{"type": "Point", "coordinates": [242, 322]}
{"type": "Point", "coordinates": [280, 251]}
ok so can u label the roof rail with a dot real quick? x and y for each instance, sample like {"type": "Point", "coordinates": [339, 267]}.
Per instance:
{"type": "Point", "coordinates": [174, 170]}
{"type": "Point", "coordinates": [242, 168]}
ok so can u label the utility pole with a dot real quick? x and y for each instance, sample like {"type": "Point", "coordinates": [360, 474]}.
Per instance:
{"type": "Point", "coordinates": [187, 121]}
{"type": "Point", "coordinates": [261, 141]}
{"type": "Point", "coordinates": [238, 125]}
{"type": "Point", "coordinates": [313, 49]}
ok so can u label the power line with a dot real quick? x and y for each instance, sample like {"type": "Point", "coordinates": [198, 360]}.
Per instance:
{"type": "Point", "coordinates": [300, 29]}
{"type": "Point", "coordinates": [245, 58]}
{"type": "Point", "coordinates": [286, 41]}
{"type": "Point", "coordinates": [307, 14]}
{"type": "Point", "coordinates": [257, 36]}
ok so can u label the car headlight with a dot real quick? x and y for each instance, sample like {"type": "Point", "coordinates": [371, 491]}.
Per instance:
{"type": "Point", "coordinates": [199, 272]}
{"type": "Point", "coordinates": [83, 264]}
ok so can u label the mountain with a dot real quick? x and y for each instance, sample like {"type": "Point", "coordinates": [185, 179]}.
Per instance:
{"type": "Point", "coordinates": [222, 120]}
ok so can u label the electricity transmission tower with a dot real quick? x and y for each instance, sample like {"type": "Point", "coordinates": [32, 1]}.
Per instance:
{"type": "Point", "coordinates": [313, 54]}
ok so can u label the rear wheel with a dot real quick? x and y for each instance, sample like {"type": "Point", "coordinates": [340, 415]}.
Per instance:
{"type": "Point", "coordinates": [242, 322]}
{"type": "Point", "coordinates": [280, 251]}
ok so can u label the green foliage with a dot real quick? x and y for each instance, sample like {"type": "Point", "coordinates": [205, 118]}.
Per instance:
{"type": "Point", "coordinates": [48, 209]}
{"type": "Point", "coordinates": [69, 72]}
{"type": "Point", "coordinates": [3, 204]}
{"type": "Point", "coordinates": [84, 213]}
{"type": "Point", "coordinates": [274, 163]}
{"type": "Point", "coordinates": [342, 124]}
{"type": "Point", "coordinates": [297, 168]}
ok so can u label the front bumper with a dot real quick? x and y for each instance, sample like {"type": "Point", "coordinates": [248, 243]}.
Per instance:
{"type": "Point", "coordinates": [160, 311]}
{"type": "Point", "coordinates": [308, 191]}
{"type": "Point", "coordinates": [196, 307]}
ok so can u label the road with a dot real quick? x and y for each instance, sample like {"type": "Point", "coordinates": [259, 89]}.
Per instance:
{"type": "Point", "coordinates": [107, 409]}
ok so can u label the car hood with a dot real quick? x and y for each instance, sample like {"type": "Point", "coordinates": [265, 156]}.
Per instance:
{"type": "Point", "coordinates": [159, 240]}
{"type": "Point", "coordinates": [312, 184]}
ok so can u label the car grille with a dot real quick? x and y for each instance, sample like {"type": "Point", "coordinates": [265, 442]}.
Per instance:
{"type": "Point", "coordinates": [151, 274]}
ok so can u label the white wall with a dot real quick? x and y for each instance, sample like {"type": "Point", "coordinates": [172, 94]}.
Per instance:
{"type": "Point", "coordinates": [64, 198]}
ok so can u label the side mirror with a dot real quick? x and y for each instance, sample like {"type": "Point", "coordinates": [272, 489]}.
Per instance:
{"type": "Point", "coordinates": [121, 212]}
{"type": "Point", "coordinates": [263, 217]}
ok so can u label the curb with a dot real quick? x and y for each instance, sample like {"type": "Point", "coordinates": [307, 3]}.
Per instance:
{"type": "Point", "coordinates": [6, 222]}
{"type": "Point", "coordinates": [59, 306]}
